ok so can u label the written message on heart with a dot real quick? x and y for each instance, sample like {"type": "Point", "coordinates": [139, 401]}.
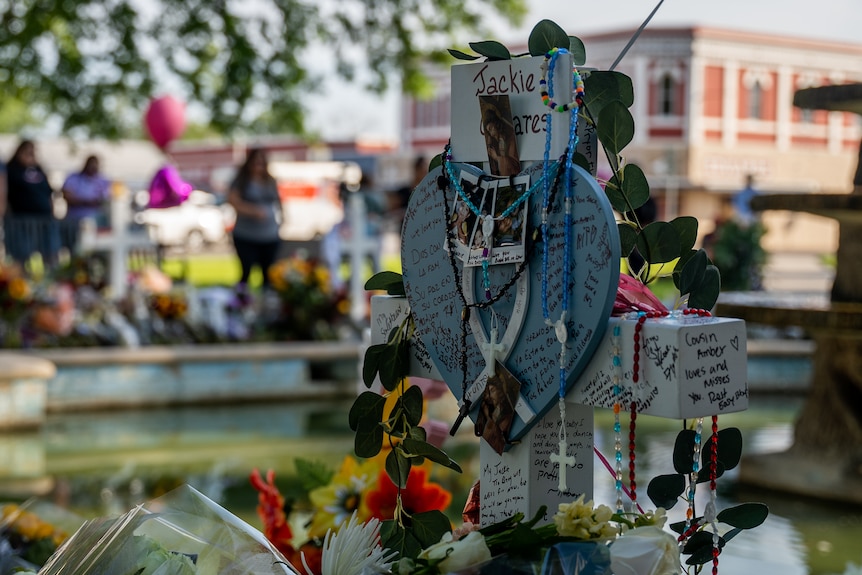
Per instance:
{"type": "Point", "coordinates": [533, 352]}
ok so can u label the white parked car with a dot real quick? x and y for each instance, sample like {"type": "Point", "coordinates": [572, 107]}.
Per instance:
{"type": "Point", "coordinates": [198, 221]}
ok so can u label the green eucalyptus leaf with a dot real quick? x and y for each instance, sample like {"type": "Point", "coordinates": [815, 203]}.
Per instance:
{"type": "Point", "coordinates": [616, 127]}
{"type": "Point", "coordinates": [680, 264]}
{"type": "Point", "coordinates": [602, 87]}
{"type": "Point", "coordinates": [368, 441]}
{"type": "Point", "coordinates": [664, 490]}
{"type": "Point", "coordinates": [424, 449]}
{"type": "Point", "coordinates": [744, 516]}
{"type": "Point", "coordinates": [491, 49]}
{"type": "Point", "coordinates": [683, 451]}
{"type": "Point", "coordinates": [371, 364]}
{"type": "Point", "coordinates": [396, 538]}
{"type": "Point", "coordinates": [397, 468]}
{"type": "Point", "coordinates": [658, 243]}
{"type": "Point", "coordinates": [614, 192]}
{"type": "Point", "coordinates": [418, 433]}
{"type": "Point", "coordinates": [581, 160]}
{"type": "Point", "coordinates": [686, 226]}
{"type": "Point", "coordinates": [435, 162]}
{"type": "Point", "coordinates": [692, 273]}
{"type": "Point", "coordinates": [459, 55]}
{"type": "Point", "coordinates": [699, 546]}
{"type": "Point", "coordinates": [679, 526]}
{"type": "Point", "coordinates": [429, 527]}
{"type": "Point", "coordinates": [368, 407]}
{"type": "Point", "coordinates": [703, 475]}
{"type": "Point", "coordinates": [635, 186]}
{"type": "Point", "coordinates": [729, 447]}
{"type": "Point", "coordinates": [628, 238]}
{"type": "Point", "coordinates": [391, 282]}
{"type": "Point", "coordinates": [313, 474]}
{"type": "Point", "coordinates": [706, 294]}
{"type": "Point", "coordinates": [395, 364]}
{"type": "Point", "coordinates": [546, 35]}
{"type": "Point", "coordinates": [412, 403]}
{"type": "Point", "coordinates": [579, 52]}
{"type": "Point", "coordinates": [732, 533]}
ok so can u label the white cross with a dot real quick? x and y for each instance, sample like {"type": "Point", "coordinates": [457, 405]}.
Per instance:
{"type": "Point", "coordinates": [491, 351]}
{"type": "Point", "coordinates": [563, 460]}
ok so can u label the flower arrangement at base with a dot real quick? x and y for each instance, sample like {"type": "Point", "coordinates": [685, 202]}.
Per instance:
{"type": "Point", "coordinates": [31, 532]}
{"type": "Point", "coordinates": [311, 308]}
{"type": "Point", "coordinates": [16, 295]}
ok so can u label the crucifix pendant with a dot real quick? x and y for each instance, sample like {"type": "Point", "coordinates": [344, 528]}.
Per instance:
{"type": "Point", "coordinates": [563, 460]}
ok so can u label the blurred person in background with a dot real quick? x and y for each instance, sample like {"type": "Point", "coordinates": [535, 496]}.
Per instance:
{"type": "Point", "coordinates": [29, 220]}
{"type": "Point", "coordinates": [87, 194]}
{"type": "Point", "coordinates": [254, 196]}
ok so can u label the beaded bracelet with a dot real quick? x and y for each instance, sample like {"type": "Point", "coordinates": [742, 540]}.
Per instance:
{"type": "Point", "coordinates": [551, 57]}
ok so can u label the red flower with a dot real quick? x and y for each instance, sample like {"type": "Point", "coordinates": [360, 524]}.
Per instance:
{"type": "Point", "coordinates": [419, 495]}
{"type": "Point", "coordinates": [270, 509]}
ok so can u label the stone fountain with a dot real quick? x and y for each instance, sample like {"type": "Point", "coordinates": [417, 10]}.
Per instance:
{"type": "Point", "coordinates": [825, 460]}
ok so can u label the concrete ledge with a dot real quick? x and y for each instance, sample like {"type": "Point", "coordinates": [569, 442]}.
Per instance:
{"type": "Point", "coordinates": [24, 366]}
{"type": "Point", "coordinates": [23, 390]}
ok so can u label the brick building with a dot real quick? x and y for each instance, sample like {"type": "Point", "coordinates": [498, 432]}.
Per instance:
{"type": "Point", "coordinates": [711, 107]}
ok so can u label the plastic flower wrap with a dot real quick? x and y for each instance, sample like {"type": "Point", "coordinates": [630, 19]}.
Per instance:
{"type": "Point", "coordinates": [180, 533]}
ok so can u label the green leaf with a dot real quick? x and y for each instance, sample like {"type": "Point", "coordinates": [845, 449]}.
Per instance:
{"type": "Point", "coordinates": [546, 35]}
{"type": "Point", "coordinates": [395, 364]}
{"type": "Point", "coordinates": [683, 451]}
{"type": "Point", "coordinates": [313, 474]}
{"type": "Point", "coordinates": [729, 447]}
{"type": "Point", "coordinates": [616, 127]}
{"type": "Point", "coordinates": [412, 403]}
{"type": "Point", "coordinates": [435, 162]}
{"type": "Point", "coordinates": [703, 476]}
{"type": "Point", "coordinates": [699, 546]}
{"type": "Point", "coordinates": [491, 49]}
{"type": "Point", "coordinates": [368, 440]}
{"type": "Point", "coordinates": [424, 449]}
{"type": "Point", "coordinates": [664, 490]}
{"type": "Point", "coordinates": [706, 293]}
{"type": "Point", "coordinates": [397, 538]}
{"type": "Point", "coordinates": [602, 87]}
{"type": "Point", "coordinates": [371, 364]}
{"type": "Point", "coordinates": [525, 542]}
{"type": "Point", "coordinates": [368, 407]}
{"type": "Point", "coordinates": [429, 527]}
{"type": "Point", "coordinates": [628, 238]}
{"type": "Point", "coordinates": [677, 270]}
{"type": "Point", "coordinates": [686, 227]}
{"type": "Point", "coordinates": [692, 273]}
{"type": "Point", "coordinates": [391, 282]}
{"type": "Point", "coordinates": [581, 160]}
{"type": "Point", "coordinates": [397, 468]}
{"type": "Point", "coordinates": [418, 433]}
{"type": "Point", "coordinates": [579, 52]}
{"type": "Point", "coordinates": [459, 55]}
{"type": "Point", "coordinates": [744, 516]}
{"type": "Point", "coordinates": [634, 186]}
{"type": "Point", "coordinates": [658, 243]}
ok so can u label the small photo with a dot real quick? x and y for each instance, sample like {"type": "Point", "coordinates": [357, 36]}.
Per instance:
{"type": "Point", "coordinates": [500, 139]}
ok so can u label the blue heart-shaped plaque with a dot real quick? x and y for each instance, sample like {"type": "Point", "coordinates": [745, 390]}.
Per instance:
{"type": "Point", "coordinates": [533, 358]}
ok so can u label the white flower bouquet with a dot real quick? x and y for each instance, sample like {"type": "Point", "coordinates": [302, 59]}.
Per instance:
{"type": "Point", "coordinates": [180, 533]}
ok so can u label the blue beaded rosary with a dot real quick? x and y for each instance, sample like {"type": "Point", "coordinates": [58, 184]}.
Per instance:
{"type": "Point", "coordinates": [562, 459]}
{"type": "Point", "coordinates": [488, 219]}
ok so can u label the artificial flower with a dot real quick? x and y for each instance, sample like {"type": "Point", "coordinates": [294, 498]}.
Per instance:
{"type": "Point", "coordinates": [645, 551]}
{"type": "Point", "coordinates": [418, 497]}
{"type": "Point", "coordinates": [454, 555]}
{"type": "Point", "coordinates": [354, 549]}
{"type": "Point", "coordinates": [344, 495]}
{"type": "Point", "coordinates": [657, 518]}
{"type": "Point", "coordinates": [581, 521]}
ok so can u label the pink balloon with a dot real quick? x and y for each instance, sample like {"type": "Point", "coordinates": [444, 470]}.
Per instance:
{"type": "Point", "coordinates": [165, 120]}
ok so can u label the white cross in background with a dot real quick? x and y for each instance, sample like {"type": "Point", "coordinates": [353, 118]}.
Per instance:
{"type": "Point", "coordinates": [563, 461]}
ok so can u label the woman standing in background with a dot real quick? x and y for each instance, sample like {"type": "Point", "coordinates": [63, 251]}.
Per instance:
{"type": "Point", "coordinates": [254, 196]}
{"type": "Point", "coordinates": [29, 224]}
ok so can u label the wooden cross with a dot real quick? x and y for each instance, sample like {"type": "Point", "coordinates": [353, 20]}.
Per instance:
{"type": "Point", "coordinates": [563, 460]}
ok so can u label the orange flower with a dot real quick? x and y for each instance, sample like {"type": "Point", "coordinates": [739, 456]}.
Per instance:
{"type": "Point", "coordinates": [270, 509]}
{"type": "Point", "coordinates": [419, 495]}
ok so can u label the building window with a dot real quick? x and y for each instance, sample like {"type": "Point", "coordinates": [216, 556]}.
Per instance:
{"type": "Point", "coordinates": [667, 93]}
{"type": "Point", "coordinates": [807, 115]}
{"type": "Point", "coordinates": [755, 100]}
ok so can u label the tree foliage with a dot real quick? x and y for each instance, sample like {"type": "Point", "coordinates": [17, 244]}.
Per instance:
{"type": "Point", "coordinates": [252, 64]}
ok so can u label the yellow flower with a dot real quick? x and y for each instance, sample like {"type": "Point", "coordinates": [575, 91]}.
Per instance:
{"type": "Point", "coordinates": [18, 288]}
{"type": "Point", "coordinates": [581, 521]}
{"type": "Point", "coordinates": [334, 503]}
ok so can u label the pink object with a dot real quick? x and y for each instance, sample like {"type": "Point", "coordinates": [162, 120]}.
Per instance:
{"type": "Point", "coordinates": [168, 189]}
{"type": "Point", "coordinates": [431, 388]}
{"type": "Point", "coordinates": [165, 120]}
{"type": "Point", "coordinates": [632, 295]}
{"type": "Point", "coordinates": [436, 432]}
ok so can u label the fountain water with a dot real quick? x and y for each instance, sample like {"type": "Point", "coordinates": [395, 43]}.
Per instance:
{"type": "Point", "coordinates": [825, 460]}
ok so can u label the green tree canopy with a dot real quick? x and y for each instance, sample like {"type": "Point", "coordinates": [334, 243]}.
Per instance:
{"type": "Point", "coordinates": [95, 63]}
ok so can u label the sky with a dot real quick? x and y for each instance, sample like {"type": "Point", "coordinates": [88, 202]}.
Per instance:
{"type": "Point", "coordinates": [839, 20]}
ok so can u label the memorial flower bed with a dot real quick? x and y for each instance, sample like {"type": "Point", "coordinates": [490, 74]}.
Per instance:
{"type": "Point", "coordinates": [71, 307]}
